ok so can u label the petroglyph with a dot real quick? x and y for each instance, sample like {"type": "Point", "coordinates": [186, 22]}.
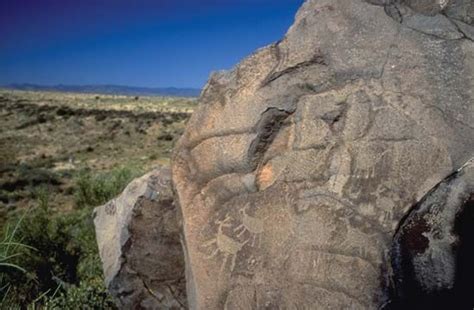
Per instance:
{"type": "Point", "coordinates": [252, 225]}
{"type": "Point", "coordinates": [368, 171]}
{"type": "Point", "coordinates": [224, 245]}
{"type": "Point", "coordinates": [340, 170]}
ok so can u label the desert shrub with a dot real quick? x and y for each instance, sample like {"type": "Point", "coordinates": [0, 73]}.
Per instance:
{"type": "Point", "coordinates": [50, 259]}
{"type": "Point", "coordinates": [63, 269]}
{"type": "Point", "coordinates": [94, 190]}
{"type": "Point", "coordinates": [88, 294]}
{"type": "Point", "coordinates": [10, 250]}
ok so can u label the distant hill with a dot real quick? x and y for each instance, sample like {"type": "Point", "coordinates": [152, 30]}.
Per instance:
{"type": "Point", "coordinates": [110, 90]}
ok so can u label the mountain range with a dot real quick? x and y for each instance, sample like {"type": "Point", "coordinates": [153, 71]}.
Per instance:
{"type": "Point", "coordinates": [110, 89]}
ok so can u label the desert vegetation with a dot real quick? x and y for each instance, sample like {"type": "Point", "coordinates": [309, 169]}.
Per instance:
{"type": "Point", "coordinates": [61, 155]}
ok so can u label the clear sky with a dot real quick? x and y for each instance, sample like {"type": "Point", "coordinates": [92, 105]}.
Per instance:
{"type": "Point", "coordinates": [152, 43]}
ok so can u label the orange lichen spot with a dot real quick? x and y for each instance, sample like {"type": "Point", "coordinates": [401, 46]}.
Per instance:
{"type": "Point", "coordinates": [265, 177]}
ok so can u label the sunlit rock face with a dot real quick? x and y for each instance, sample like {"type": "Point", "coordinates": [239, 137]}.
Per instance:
{"type": "Point", "coordinates": [299, 164]}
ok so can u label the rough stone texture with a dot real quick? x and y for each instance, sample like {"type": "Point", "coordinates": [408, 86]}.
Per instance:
{"type": "Point", "coordinates": [433, 250]}
{"type": "Point", "coordinates": [445, 19]}
{"type": "Point", "coordinates": [138, 234]}
{"type": "Point", "coordinates": [300, 162]}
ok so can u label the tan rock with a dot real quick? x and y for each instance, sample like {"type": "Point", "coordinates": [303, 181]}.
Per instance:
{"type": "Point", "coordinates": [298, 165]}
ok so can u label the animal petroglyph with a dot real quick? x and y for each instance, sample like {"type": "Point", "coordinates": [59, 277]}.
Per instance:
{"type": "Point", "coordinates": [225, 245]}
{"type": "Point", "coordinates": [367, 173]}
{"type": "Point", "coordinates": [253, 225]}
{"type": "Point", "coordinates": [340, 169]}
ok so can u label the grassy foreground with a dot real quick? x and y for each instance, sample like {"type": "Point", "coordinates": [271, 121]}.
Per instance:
{"type": "Point", "coordinates": [55, 167]}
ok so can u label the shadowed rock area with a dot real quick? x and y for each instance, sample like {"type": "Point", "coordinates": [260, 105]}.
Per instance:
{"type": "Point", "coordinates": [433, 249]}
{"type": "Point", "coordinates": [294, 172]}
{"type": "Point", "coordinates": [138, 234]}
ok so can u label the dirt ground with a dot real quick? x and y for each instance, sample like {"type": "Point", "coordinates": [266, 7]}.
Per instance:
{"type": "Point", "coordinates": [45, 138]}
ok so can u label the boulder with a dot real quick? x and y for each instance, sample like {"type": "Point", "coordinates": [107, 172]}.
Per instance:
{"type": "Point", "coordinates": [299, 163]}
{"type": "Point", "coordinates": [138, 234]}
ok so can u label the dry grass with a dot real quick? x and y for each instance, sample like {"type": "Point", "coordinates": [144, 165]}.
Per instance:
{"type": "Point", "coordinates": [105, 102]}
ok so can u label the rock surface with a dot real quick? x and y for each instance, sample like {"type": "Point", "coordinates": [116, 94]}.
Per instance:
{"type": "Point", "coordinates": [138, 234]}
{"type": "Point", "coordinates": [433, 250]}
{"type": "Point", "coordinates": [297, 167]}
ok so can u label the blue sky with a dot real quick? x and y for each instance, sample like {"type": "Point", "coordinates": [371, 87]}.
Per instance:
{"type": "Point", "coordinates": [152, 43]}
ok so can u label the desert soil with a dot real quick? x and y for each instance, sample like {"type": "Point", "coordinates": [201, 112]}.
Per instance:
{"type": "Point", "coordinates": [46, 137]}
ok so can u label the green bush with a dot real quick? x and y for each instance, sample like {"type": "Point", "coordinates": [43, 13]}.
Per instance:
{"type": "Point", "coordinates": [88, 294]}
{"type": "Point", "coordinates": [94, 190]}
{"type": "Point", "coordinates": [50, 259]}
{"type": "Point", "coordinates": [65, 261]}
{"type": "Point", "coordinates": [10, 250]}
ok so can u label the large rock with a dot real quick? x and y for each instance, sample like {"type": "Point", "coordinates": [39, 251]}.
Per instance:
{"type": "Point", "coordinates": [299, 163]}
{"type": "Point", "coordinates": [138, 234]}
